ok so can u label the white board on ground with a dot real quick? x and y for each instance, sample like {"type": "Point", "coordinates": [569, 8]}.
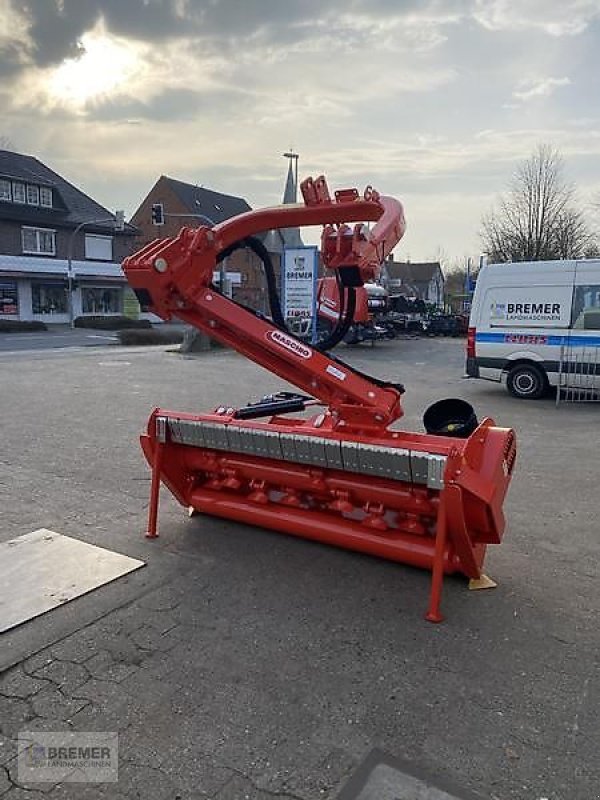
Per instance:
{"type": "Point", "coordinates": [43, 569]}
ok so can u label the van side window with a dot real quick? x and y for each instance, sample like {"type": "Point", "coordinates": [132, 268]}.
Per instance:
{"type": "Point", "coordinates": [586, 308]}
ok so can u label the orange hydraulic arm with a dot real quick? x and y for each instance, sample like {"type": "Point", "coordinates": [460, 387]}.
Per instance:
{"type": "Point", "coordinates": [173, 277]}
{"type": "Point", "coordinates": [342, 477]}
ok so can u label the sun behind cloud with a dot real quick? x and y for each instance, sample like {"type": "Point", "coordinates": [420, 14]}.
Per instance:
{"type": "Point", "coordinates": [105, 66]}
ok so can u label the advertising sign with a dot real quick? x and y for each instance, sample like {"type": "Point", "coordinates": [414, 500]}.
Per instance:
{"type": "Point", "coordinates": [9, 298]}
{"type": "Point", "coordinates": [299, 289]}
{"type": "Point", "coordinates": [531, 307]}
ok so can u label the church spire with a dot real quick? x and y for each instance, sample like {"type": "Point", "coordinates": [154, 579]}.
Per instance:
{"type": "Point", "coordinates": [290, 194]}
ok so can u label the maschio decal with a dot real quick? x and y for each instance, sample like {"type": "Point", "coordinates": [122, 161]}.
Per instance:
{"type": "Point", "coordinates": [294, 346]}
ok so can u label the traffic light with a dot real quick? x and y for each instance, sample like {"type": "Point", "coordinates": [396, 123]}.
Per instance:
{"type": "Point", "coordinates": [158, 214]}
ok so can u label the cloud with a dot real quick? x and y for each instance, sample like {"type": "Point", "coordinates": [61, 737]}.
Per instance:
{"type": "Point", "coordinates": [556, 18]}
{"type": "Point", "coordinates": [541, 87]}
{"type": "Point", "coordinates": [55, 27]}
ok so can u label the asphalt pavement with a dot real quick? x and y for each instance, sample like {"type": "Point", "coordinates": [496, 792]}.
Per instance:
{"type": "Point", "coordinates": [246, 664]}
{"type": "Point", "coordinates": [57, 337]}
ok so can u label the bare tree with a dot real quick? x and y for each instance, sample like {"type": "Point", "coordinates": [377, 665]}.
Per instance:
{"type": "Point", "coordinates": [538, 218]}
{"type": "Point", "coordinates": [573, 238]}
{"type": "Point", "coordinates": [5, 143]}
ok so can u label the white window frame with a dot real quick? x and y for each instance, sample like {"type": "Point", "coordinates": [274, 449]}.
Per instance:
{"type": "Point", "coordinates": [90, 239]}
{"type": "Point", "coordinates": [35, 191]}
{"type": "Point", "coordinates": [46, 191]}
{"type": "Point", "coordinates": [23, 198]}
{"type": "Point", "coordinates": [38, 232]}
{"type": "Point", "coordinates": [5, 190]}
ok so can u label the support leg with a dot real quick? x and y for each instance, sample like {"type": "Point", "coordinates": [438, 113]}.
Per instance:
{"type": "Point", "coordinates": [152, 532]}
{"type": "Point", "coordinates": [437, 578]}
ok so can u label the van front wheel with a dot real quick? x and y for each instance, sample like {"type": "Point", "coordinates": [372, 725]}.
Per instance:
{"type": "Point", "coordinates": [527, 382]}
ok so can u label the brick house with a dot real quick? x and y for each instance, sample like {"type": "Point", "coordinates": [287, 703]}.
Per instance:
{"type": "Point", "coordinates": [46, 226]}
{"type": "Point", "coordinates": [185, 204]}
{"type": "Point", "coordinates": [423, 280]}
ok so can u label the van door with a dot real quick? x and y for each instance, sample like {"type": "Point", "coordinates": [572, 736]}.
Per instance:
{"type": "Point", "coordinates": [581, 362]}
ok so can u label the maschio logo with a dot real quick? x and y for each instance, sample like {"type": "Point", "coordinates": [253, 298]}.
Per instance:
{"type": "Point", "coordinates": [294, 346]}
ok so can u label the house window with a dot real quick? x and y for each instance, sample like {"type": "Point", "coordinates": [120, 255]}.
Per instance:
{"type": "Point", "coordinates": [98, 248]}
{"type": "Point", "coordinates": [46, 196]}
{"type": "Point", "coordinates": [39, 241]}
{"type": "Point", "coordinates": [98, 300]}
{"type": "Point", "coordinates": [9, 298]}
{"type": "Point", "coordinates": [18, 191]}
{"type": "Point", "coordinates": [5, 190]}
{"type": "Point", "coordinates": [33, 195]}
{"type": "Point", "coordinates": [49, 298]}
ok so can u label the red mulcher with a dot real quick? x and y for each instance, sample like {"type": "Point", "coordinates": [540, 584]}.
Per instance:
{"type": "Point", "coordinates": [342, 476]}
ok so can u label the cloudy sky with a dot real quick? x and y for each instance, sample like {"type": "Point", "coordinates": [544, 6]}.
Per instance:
{"type": "Point", "coordinates": [433, 102]}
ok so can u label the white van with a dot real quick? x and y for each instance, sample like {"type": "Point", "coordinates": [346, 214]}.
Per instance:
{"type": "Point", "coordinates": [532, 321]}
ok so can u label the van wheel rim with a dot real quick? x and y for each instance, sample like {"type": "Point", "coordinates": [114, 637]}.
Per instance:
{"type": "Point", "coordinates": [525, 383]}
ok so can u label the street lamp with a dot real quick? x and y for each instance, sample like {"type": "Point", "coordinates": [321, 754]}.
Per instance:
{"type": "Point", "coordinates": [119, 222]}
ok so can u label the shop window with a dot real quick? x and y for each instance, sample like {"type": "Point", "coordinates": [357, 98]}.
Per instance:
{"type": "Point", "coordinates": [98, 300]}
{"type": "Point", "coordinates": [586, 308]}
{"type": "Point", "coordinates": [98, 248]}
{"type": "Point", "coordinates": [9, 298]}
{"type": "Point", "coordinates": [5, 193]}
{"type": "Point", "coordinates": [18, 192]}
{"type": "Point", "coordinates": [33, 195]}
{"type": "Point", "coordinates": [46, 196]}
{"type": "Point", "coordinates": [49, 298]}
{"type": "Point", "coordinates": [39, 241]}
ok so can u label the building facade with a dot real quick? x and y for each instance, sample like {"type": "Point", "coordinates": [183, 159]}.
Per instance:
{"type": "Point", "coordinates": [422, 280]}
{"type": "Point", "coordinates": [60, 252]}
{"type": "Point", "coordinates": [186, 204]}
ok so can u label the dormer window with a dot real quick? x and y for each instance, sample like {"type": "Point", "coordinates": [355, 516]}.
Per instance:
{"type": "Point", "coordinates": [18, 190]}
{"type": "Point", "coordinates": [33, 195]}
{"type": "Point", "coordinates": [46, 196]}
{"type": "Point", "coordinates": [29, 193]}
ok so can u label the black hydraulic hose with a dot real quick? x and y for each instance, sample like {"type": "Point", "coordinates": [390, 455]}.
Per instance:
{"type": "Point", "coordinates": [347, 307]}
{"type": "Point", "coordinates": [257, 247]}
{"type": "Point", "coordinates": [347, 310]}
{"type": "Point", "coordinates": [344, 322]}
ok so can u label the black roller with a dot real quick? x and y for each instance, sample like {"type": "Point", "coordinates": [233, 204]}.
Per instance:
{"type": "Point", "coordinates": [450, 417]}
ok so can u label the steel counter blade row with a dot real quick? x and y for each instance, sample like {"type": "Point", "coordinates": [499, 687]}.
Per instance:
{"type": "Point", "coordinates": [394, 463]}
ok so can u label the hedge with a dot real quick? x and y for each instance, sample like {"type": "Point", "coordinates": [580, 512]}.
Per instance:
{"type": "Point", "coordinates": [111, 323]}
{"type": "Point", "coordinates": [152, 336]}
{"type": "Point", "coordinates": [21, 326]}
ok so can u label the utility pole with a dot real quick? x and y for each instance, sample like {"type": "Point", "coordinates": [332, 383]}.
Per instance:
{"type": "Point", "coordinates": [119, 225]}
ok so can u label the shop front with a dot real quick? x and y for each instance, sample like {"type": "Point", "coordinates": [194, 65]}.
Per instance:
{"type": "Point", "coordinates": [40, 289]}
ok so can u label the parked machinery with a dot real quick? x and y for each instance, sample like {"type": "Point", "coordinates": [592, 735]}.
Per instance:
{"type": "Point", "coordinates": [369, 322]}
{"type": "Point", "coordinates": [342, 475]}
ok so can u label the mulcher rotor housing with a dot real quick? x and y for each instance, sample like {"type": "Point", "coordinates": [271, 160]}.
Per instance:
{"type": "Point", "coordinates": [342, 476]}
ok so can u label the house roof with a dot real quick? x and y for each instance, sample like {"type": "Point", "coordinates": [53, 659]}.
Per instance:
{"type": "Point", "coordinates": [412, 271]}
{"type": "Point", "coordinates": [215, 206]}
{"type": "Point", "coordinates": [71, 205]}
